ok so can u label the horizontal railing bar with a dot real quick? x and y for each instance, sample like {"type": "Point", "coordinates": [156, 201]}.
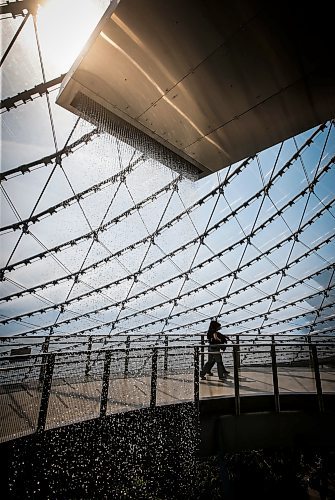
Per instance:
{"type": "Point", "coordinates": [146, 337]}
{"type": "Point", "coordinates": [22, 367]}
{"type": "Point", "coordinates": [164, 347]}
{"type": "Point", "coordinates": [7, 369]}
{"type": "Point", "coordinates": [189, 342]}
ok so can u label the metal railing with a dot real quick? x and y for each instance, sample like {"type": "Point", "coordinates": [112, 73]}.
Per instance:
{"type": "Point", "coordinates": [50, 389]}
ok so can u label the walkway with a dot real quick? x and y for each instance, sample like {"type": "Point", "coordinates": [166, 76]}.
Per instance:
{"type": "Point", "coordinates": [76, 399]}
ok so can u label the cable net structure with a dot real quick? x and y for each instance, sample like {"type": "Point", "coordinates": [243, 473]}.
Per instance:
{"type": "Point", "coordinates": [99, 239]}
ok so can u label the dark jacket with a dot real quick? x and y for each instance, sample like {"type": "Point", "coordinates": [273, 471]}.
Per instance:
{"type": "Point", "coordinates": [217, 338]}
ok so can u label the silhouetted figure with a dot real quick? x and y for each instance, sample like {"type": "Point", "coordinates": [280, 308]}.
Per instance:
{"type": "Point", "coordinates": [216, 340]}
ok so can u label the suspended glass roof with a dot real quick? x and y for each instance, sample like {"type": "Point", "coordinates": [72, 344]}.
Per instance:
{"type": "Point", "coordinates": [96, 239]}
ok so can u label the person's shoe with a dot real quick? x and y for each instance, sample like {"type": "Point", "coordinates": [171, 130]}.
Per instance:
{"type": "Point", "coordinates": [222, 380]}
{"type": "Point", "coordinates": [211, 374]}
{"type": "Point", "coordinates": [203, 376]}
{"type": "Point", "coordinates": [226, 372]}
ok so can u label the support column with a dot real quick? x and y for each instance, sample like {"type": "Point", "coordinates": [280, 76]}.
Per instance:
{"type": "Point", "coordinates": [46, 389]}
{"type": "Point", "coordinates": [275, 375]}
{"type": "Point", "coordinates": [105, 384]}
{"type": "Point", "coordinates": [153, 390]}
{"type": "Point", "coordinates": [88, 359]}
{"type": "Point", "coordinates": [236, 380]}
{"type": "Point", "coordinates": [45, 349]}
{"type": "Point", "coordinates": [196, 377]}
{"type": "Point", "coordinates": [315, 361]}
{"type": "Point", "coordinates": [166, 353]}
{"type": "Point", "coordinates": [202, 356]}
{"type": "Point", "coordinates": [126, 359]}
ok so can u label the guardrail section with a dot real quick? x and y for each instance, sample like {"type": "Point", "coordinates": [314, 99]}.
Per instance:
{"type": "Point", "coordinates": [52, 389]}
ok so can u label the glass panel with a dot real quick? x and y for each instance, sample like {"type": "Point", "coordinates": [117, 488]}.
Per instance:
{"type": "Point", "coordinates": [20, 396]}
{"type": "Point", "coordinates": [212, 386]}
{"type": "Point", "coordinates": [74, 396]}
{"type": "Point", "coordinates": [131, 390]}
{"type": "Point", "coordinates": [26, 138]}
{"type": "Point", "coordinates": [21, 69]}
{"type": "Point", "coordinates": [255, 373]}
{"type": "Point", "coordinates": [295, 372]}
{"type": "Point", "coordinates": [175, 383]}
{"type": "Point", "coordinates": [326, 357]}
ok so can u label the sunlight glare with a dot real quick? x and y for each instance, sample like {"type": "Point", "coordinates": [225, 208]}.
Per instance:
{"type": "Point", "coordinates": [64, 28]}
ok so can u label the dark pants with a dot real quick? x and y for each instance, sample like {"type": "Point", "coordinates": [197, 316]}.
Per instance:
{"type": "Point", "coordinates": [214, 356]}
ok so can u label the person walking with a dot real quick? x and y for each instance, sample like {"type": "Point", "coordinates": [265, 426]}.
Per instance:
{"type": "Point", "coordinates": [217, 343]}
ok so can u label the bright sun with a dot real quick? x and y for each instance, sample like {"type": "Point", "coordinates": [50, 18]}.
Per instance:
{"type": "Point", "coordinates": [64, 27]}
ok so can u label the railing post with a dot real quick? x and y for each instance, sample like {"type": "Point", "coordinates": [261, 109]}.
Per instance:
{"type": "Point", "coordinates": [275, 374]}
{"type": "Point", "coordinates": [153, 390]}
{"type": "Point", "coordinates": [45, 349]}
{"type": "Point", "coordinates": [46, 389]}
{"type": "Point", "coordinates": [88, 359]}
{"type": "Point", "coordinates": [237, 338]}
{"type": "Point", "coordinates": [309, 341]}
{"type": "Point", "coordinates": [317, 377]}
{"type": "Point", "coordinates": [166, 353]}
{"type": "Point", "coordinates": [105, 384]}
{"type": "Point", "coordinates": [196, 377]}
{"type": "Point", "coordinates": [202, 357]}
{"type": "Point", "coordinates": [236, 380]}
{"type": "Point", "coordinates": [126, 360]}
